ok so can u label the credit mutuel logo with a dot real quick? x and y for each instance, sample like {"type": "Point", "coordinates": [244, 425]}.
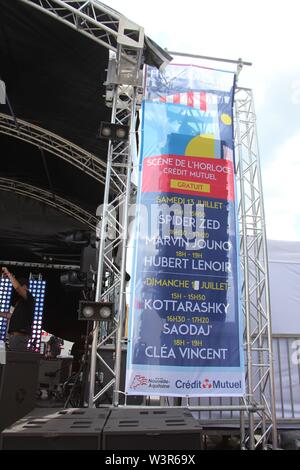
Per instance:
{"type": "Point", "coordinates": [208, 385]}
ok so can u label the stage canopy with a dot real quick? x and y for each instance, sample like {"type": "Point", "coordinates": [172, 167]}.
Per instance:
{"type": "Point", "coordinates": [54, 79]}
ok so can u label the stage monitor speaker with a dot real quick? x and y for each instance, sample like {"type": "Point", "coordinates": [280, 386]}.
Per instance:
{"type": "Point", "coordinates": [70, 429]}
{"type": "Point", "coordinates": [153, 429]}
{"type": "Point", "coordinates": [107, 353]}
{"type": "Point", "coordinates": [18, 386]}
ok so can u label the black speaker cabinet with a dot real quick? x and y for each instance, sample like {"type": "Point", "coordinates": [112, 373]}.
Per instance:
{"type": "Point", "coordinates": [18, 386]}
{"type": "Point", "coordinates": [155, 429]}
{"type": "Point", "coordinates": [69, 429]}
{"type": "Point", "coordinates": [107, 352]}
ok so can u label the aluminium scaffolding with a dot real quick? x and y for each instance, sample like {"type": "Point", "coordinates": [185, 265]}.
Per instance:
{"type": "Point", "coordinates": [255, 276]}
{"type": "Point", "coordinates": [125, 89]}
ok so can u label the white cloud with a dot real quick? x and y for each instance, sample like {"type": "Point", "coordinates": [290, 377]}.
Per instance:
{"type": "Point", "coordinates": [282, 192]}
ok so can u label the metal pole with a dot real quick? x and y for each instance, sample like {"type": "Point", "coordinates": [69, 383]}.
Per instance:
{"type": "Point", "coordinates": [249, 408]}
{"type": "Point", "coordinates": [242, 430]}
{"type": "Point", "coordinates": [124, 256]}
{"type": "Point", "coordinates": [25, 264]}
{"type": "Point", "coordinates": [217, 59]}
{"type": "Point", "coordinates": [100, 270]}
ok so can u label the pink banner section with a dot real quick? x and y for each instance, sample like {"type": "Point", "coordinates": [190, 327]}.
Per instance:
{"type": "Point", "coordinates": [197, 176]}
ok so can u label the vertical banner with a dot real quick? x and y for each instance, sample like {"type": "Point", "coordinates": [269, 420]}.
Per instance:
{"type": "Point", "coordinates": [185, 324]}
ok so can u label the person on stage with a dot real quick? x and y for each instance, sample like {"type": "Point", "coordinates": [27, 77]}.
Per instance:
{"type": "Point", "coordinates": [21, 313]}
{"type": "Point", "coordinates": [54, 346]}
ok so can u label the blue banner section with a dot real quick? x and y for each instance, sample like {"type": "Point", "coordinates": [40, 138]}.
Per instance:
{"type": "Point", "coordinates": [185, 319]}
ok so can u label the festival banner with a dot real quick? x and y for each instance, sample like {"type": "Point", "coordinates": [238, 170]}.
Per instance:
{"type": "Point", "coordinates": [185, 322]}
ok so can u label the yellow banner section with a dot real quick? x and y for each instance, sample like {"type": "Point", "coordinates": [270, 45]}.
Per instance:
{"type": "Point", "coordinates": [190, 186]}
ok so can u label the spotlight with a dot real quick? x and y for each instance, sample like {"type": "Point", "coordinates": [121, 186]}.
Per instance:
{"type": "Point", "coordinates": [88, 312]}
{"type": "Point", "coordinates": [116, 132]}
{"type": "Point", "coordinates": [105, 132]}
{"type": "Point", "coordinates": [96, 311]}
{"type": "Point", "coordinates": [105, 312]}
{"type": "Point", "coordinates": [121, 133]}
{"type": "Point", "coordinates": [73, 280]}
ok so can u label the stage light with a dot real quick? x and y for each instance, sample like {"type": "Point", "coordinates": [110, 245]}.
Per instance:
{"type": "Point", "coordinates": [117, 132]}
{"type": "Point", "coordinates": [73, 280]}
{"type": "Point", "coordinates": [105, 312]}
{"type": "Point", "coordinates": [121, 133]}
{"type": "Point", "coordinates": [106, 132]}
{"type": "Point", "coordinates": [88, 312]}
{"type": "Point", "coordinates": [96, 311]}
{"type": "Point", "coordinates": [5, 298]}
{"type": "Point", "coordinates": [36, 286]}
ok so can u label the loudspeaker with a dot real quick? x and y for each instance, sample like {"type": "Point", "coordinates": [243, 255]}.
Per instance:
{"type": "Point", "coordinates": [18, 386]}
{"type": "Point", "coordinates": [107, 353]}
{"type": "Point", "coordinates": [68, 429]}
{"type": "Point", "coordinates": [153, 429]}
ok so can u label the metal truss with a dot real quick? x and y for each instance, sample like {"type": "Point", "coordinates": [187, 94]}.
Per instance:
{"type": "Point", "coordinates": [260, 428]}
{"type": "Point", "coordinates": [126, 41]}
{"type": "Point", "coordinates": [52, 200]}
{"type": "Point", "coordinates": [28, 264]}
{"type": "Point", "coordinates": [98, 22]}
{"type": "Point", "coordinates": [111, 278]}
{"type": "Point", "coordinates": [42, 138]}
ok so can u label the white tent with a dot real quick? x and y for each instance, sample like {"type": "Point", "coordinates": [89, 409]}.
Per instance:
{"type": "Point", "coordinates": [284, 266]}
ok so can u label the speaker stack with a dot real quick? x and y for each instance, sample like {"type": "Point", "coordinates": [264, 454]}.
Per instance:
{"type": "Point", "coordinates": [106, 429]}
{"type": "Point", "coordinates": [153, 429]}
{"type": "Point", "coordinates": [69, 429]}
{"type": "Point", "coordinates": [18, 386]}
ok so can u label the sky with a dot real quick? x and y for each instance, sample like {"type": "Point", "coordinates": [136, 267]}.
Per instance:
{"type": "Point", "coordinates": [268, 35]}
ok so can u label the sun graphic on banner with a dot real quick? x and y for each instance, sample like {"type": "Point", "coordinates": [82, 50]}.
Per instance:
{"type": "Point", "coordinates": [226, 119]}
{"type": "Point", "coordinates": [201, 146]}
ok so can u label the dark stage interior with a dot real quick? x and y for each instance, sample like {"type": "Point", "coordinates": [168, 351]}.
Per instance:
{"type": "Point", "coordinates": [54, 79]}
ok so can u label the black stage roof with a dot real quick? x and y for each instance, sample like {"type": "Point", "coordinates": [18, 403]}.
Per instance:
{"type": "Point", "coordinates": [54, 79]}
